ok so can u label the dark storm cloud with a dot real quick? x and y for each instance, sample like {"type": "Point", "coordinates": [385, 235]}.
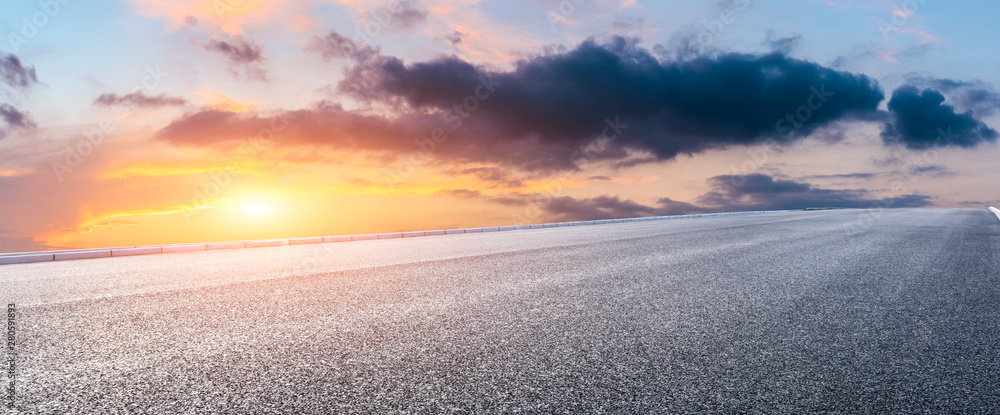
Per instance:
{"type": "Point", "coordinates": [138, 99]}
{"type": "Point", "coordinates": [14, 74]}
{"type": "Point", "coordinates": [921, 120]}
{"type": "Point", "coordinates": [685, 108]}
{"type": "Point", "coordinates": [979, 97]}
{"type": "Point", "coordinates": [600, 101]}
{"type": "Point", "coordinates": [246, 56]}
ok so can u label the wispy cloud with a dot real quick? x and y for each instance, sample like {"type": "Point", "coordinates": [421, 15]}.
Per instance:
{"type": "Point", "coordinates": [139, 99]}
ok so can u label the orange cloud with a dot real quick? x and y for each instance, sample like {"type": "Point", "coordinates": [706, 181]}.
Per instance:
{"type": "Point", "coordinates": [219, 101]}
{"type": "Point", "coordinates": [107, 224]}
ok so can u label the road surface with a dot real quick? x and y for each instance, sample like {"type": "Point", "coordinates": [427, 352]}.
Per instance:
{"type": "Point", "coordinates": [892, 311]}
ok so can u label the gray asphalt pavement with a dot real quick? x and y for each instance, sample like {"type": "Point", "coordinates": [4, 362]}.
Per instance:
{"type": "Point", "coordinates": [847, 311]}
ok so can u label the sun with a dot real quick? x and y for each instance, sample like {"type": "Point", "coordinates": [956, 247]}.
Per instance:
{"type": "Point", "coordinates": [256, 208]}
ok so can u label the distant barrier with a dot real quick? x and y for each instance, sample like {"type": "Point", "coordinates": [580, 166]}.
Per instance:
{"type": "Point", "coordinates": [47, 256]}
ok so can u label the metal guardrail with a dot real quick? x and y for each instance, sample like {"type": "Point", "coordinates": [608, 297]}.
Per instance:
{"type": "Point", "coordinates": [48, 256]}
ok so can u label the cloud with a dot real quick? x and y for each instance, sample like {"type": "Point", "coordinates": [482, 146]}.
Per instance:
{"type": "Point", "coordinates": [454, 38]}
{"type": "Point", "coordinates": [978, 203]}
{"type": "Point", "coordinates": [843, 176]}
{"type": "Point", "coordinates": [237, 50]}
{"type": "Point", "coordinates": [14, 119]}
{"type": "Point", "coordinates": [554, 111]}
{"type": "Point", "coordinates": [977, 96]}
{"type": "Point", "coordinates": [942, 84]}
{"type": "Point", "coordinates": [11, 241]}
{"type": "Point", "coordinates": [14, 74]}
{"type": "Point", "coordinates": [567, 208]}
{"type": "Point", "coordinates": [323, 124]}
{"type": "Point", "coordinates": [217, 100]}
{"type": "Point", "coordinates": [138, 99]}
{"type": "Point", "coordinates": [553, 108]}
{"type": "Point", "coordinates": [727, 194]}
{"type": "Point", "coordinates": [565, 98]}
{"type": "Point", "coordinates": [763, 192]}
{"type": "Point", "coordinates": [330, 125]}
{"type": "Point", "coordinates": [634, 26]}
{"type": "Point", "coordinates": [921, 120]}
{"type": "Point", "coordinates": [463, 193]}
{"type": "Point", "coordinates": [981, 101]}
{"type": "Point", "coordinates": [246, 56]}
{"type": "Point", "coordinates": [490, 174]}
{"type": "Point", "coordinates": [933, 170]}
{"type": "Point", "coordinates": [335, 46]}
{"type": "Point", "coordinates": [785, 44]}
{"type": "Point", "coordinates": [399, 15]}
{"type": "Point", "coordinates": [863, 52]}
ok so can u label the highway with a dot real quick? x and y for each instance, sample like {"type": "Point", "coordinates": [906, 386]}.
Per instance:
{"type": "Point", "coordinates": [850, 311]}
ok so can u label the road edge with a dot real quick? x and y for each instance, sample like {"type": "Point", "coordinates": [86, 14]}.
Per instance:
{"type": "Point", "coordinates": [75, 254]}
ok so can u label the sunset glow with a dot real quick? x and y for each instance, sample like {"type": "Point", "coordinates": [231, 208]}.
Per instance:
{"type": "Point", "coordinates": [131, 122]}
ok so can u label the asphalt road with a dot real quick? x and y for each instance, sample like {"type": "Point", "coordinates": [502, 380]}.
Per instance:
{"type": "Point", "coordinates": [892, 311]}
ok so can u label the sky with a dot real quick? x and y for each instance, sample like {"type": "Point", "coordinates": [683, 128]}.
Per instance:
{"type": "Point", "coordinates": [140, 122]}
